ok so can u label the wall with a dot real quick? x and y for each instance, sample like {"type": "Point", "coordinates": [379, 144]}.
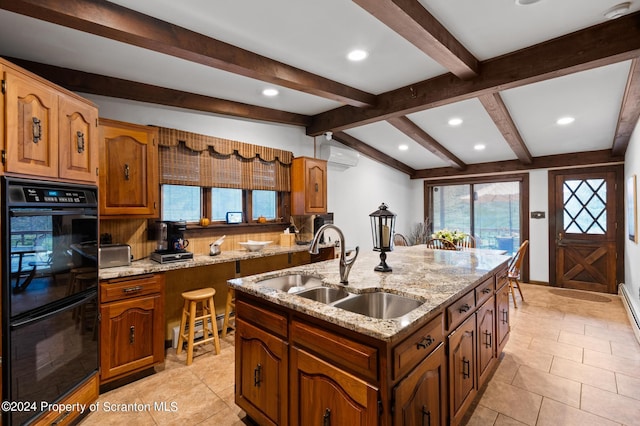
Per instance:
{"type": "Point", "coordinates": [352, 193]}
{"type": "Point", "coordinates": [632, 249]}
{"type": "Point", "coordinates": [539, 228]}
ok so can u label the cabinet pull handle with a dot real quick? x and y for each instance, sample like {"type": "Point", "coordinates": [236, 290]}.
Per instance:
{"type": "Point", "coordinates": [425, 342]}
{"type": "Point", "coordinates": [132, 335]}
{"type": "Point", "coordinates": [127, 170]}
{"type": "Point", "coordinates": [488, 340]}
{"type": "Point", "coordinates": [257, 372]}
{"type": "Point", "coordinates": [486, 290]}
{"type": "Point", "coordinates": [61, 418]}
{"type": "Point", "coordinates": [426, 413]}
{"type": "Point", "coordinates": [326, 418]}
{"type": "Point", "coordinates": [464, 308]}
{"type": "Point", "coordinates": [132, 289]}
{"type": "Point", "coordinates": [466, 368]}
{"type": "Point", "coordinates": [36, 129]}
{"type": "Point", "coordinates": [317, 187]}
{"type": "Point", "coordinates": [80, 141]}
{"type": "Point", "coordinates": [505, 316]}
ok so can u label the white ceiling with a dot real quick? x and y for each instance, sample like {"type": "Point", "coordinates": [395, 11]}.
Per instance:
{"type": "Point", "coordinates": [316, 35]}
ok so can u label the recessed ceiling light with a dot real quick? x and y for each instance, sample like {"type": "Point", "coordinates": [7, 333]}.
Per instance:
{"type": "Point", "coordinates": [455, 121]}
{"type": "Point", "coordinates": [563, 121]}
{"type": "Point", "coordinates": [270, 92]}
{"type": "Point", "coordinates": [403, 147]}
{"type": "Point", "coordinates": [526, 2]}
{"type": "Point", "coordinates": [357, 55]}
{"type": "Point", "coordinates": [617, 10]}
{"type": "Point", "coordinates": [479, 146]}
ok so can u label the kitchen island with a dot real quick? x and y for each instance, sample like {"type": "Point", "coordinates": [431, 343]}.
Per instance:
{"type": "Point", "coordinates": [299, 361]}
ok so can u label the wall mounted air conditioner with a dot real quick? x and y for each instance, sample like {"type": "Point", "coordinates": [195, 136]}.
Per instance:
{"type": "Point", "coordinates": [339, 155]}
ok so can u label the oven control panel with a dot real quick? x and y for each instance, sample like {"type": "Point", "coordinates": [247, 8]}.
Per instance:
{"type": "Point", "coordinates": [52, 196]}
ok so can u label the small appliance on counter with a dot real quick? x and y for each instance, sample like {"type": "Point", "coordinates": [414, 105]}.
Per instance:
{"type": "Point", "coordinates": [171, 244]}
{"type": "Point", "coordinates": [112, 255]}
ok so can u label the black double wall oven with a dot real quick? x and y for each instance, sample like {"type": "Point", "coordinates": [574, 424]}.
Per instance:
{"type": "Point", "coordinates": [49, 293]}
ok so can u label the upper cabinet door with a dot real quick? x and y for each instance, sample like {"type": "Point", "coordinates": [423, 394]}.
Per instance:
{"type": "Point", "coordinates": [78, 140]}
{"type": "Point", "coordinates": [128, 169]}
{"type": "Point", "coordinates": [31, 127]}
{"type": "Point", "coordinates": [308, 186]}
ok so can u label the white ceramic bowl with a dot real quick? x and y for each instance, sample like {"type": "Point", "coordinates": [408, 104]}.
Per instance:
{"type": "Point", "coordinates": [255, 245]}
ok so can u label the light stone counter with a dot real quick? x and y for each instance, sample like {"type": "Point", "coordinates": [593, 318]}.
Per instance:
{"type": "Point", "coordinates": [148, 266]}
{"type": "Point", "coordinates": [436, 277]}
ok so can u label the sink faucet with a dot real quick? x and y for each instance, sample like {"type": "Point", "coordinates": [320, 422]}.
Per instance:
{"type": "Point", "coordinates": [345, 264]}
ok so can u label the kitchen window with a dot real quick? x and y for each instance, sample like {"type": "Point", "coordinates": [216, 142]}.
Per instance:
{"type": "Point", "coordinates": [490, 210]}
{"type": "Point", "coordinates": [182, 202]}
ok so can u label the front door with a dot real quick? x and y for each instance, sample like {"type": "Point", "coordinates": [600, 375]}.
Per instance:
{"type": "Point", "coordinates": [585, 228]}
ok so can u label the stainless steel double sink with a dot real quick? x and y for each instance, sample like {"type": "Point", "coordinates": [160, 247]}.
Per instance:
{"type": "Point", "coordinates": [377, 304]}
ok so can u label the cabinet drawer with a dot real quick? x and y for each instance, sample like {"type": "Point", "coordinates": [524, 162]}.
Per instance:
{"type": "Point", "coordinates": [354, 356]}
{"type": "Point", "coordinates": [484, 291]}
{"type": "Point", "coordinates": [266, 319]}
{"type": "Point", "coordinates": [411, 351]}
{"type": "Point", "coordinates": [461, 309]}
{"type": "Point", "coordinates": [501, 277]}
{"type": "Point", "coordinates": [126, 288]}
{"type": "Point", "coordinates": [85, 394]}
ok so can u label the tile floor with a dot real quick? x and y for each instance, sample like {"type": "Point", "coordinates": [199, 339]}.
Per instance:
{"type": "Point", "coordinates": [572, 359]}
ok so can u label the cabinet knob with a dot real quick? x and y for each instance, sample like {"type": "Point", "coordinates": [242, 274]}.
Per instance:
{"type": "Point", "coordinates": [80, 142]}
{"type": "Point", "coordinates": [425, 342]}
{"type": "Point", "coordinates": [257, 372]}
{"type": "Point", "coordinates": [464, 308]}
{"type": "Point", "coordinates": [127, 171]}
{"type": "Point", "coordinates": [132, 335]}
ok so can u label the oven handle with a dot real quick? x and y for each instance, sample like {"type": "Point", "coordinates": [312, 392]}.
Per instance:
{"type": "Point", "coordinates": [27, 213]}
{"type": "Point", "coordinates": [82, 298]}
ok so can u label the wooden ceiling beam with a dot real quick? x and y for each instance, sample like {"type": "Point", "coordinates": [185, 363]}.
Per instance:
{"type": "Point", "coordinates": [95, 84]}
{"type": "Point", "coordinates": [412, 130]}
{"type": "Point", "coordinates": [497, 110]}
{"type": "Point", "coordinates": [371, 152]}
{"type": "Point", "coordinates": [115, 22]}
{"type": "Point", "coordinates": [413, 22]}
{"type": "Point", "coordinates": [589, 158]}
{"type": "Point", "coordinates": [629, 112]}
{"type": "Point", "coordinates": [608, 43]}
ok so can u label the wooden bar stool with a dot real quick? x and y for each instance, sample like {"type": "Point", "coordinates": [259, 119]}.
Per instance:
{"type": "Point", "coordinates": [228, 314]}
{"type": "Point", "coordinates": [187, 330]}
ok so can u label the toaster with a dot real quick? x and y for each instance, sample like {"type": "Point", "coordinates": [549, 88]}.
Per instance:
{"type": "Point", "coordinates": [112, 255]}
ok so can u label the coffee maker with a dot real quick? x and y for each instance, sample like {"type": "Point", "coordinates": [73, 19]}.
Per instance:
{"type": "Point", "coordinates": [170, 242]}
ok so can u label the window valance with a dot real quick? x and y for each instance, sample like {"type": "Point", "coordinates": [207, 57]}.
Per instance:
{"type": "Point", "coordinates": [192, 159]}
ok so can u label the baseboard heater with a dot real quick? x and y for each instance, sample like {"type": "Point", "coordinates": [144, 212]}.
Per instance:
{"type": "Point", "coordinates": [197, 329]}
{"type": "Point", "coordinates": [628, 305]}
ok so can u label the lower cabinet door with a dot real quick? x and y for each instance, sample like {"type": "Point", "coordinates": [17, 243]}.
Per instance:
{"type": "Point", "coordinates": [324, 395]}
{"type": "Point", "coordinates": [462, 366]}
{"type": "Point", "coordinates": [486, 340]}
{"type": "Point", "coordinates": [420, 398]}
{"type": "Point", "coordinates": [261, 374]}
{"type": "Point", "coordinates": [502, 319]}
{"type": "Point", "coordinates": [131, 335]}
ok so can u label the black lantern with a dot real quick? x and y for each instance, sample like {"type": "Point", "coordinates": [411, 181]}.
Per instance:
{"type": "Point", "coordinates": [383, 224]}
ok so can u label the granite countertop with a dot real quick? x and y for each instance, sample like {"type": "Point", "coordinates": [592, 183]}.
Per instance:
{"type": "Point", "coordinates": [436, 277]}
{"type": "Point", "coordinates": [148, 266]}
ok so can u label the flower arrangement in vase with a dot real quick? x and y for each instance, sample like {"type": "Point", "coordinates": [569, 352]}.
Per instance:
{"type": "Point", "coordinates": [454, 236]}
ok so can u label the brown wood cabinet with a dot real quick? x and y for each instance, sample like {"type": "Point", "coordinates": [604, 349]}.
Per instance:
{"type": "Point", "coordinates": [502, 317]}
{"type": "Point", "coordinates": [50, 132]}
{"type": "Point", "coordinates": [261, 365]}
{"type": "Point", "coordinates": [128, 170]}
{"type": "Point", "coordinates": [308, 186]}
{"type": "Point", "coordinates": [85, 394]}
{"type": "Point", "coordinates": [486, 319]}
{"type": "Point", "coordinates": [132, 325]}
{"type": "Point", "coordinates": [462, 368]}
{"type": "Point", "coordinates": [421, 398]}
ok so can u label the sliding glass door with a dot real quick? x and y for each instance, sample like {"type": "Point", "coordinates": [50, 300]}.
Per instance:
{"type": "Point", "coordinates": [491, 211]}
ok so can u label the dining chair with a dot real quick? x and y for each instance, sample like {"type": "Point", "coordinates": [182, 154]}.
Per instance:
{"type": "Point", "coordinates": [441, 244]}
{"type": "Point", "coordinates": [466, 243]}
{"type": "Point", "coordinates": [400, 240]}
{"type": "Point", "coordinates": [513, 275]}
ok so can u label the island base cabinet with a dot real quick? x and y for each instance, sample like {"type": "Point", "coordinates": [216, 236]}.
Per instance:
{"type": "Point", "coordinates": [486, 340]}
{"type": "Point", "coordinates": [261, 374]}
{"type": "Point", "coordinates": [502, 318]}
{"type": "Point", "coordinates": [324, 395]}
{"type": "Point", "coordinates": [420, 398]}
{"type": "Point", "coordinates": [462, 366]}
